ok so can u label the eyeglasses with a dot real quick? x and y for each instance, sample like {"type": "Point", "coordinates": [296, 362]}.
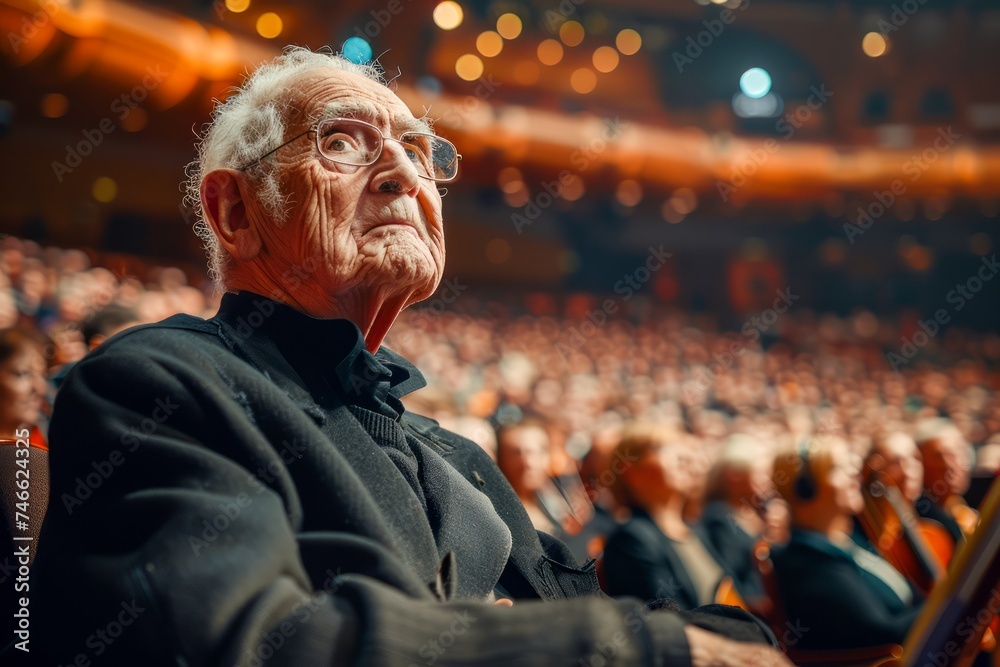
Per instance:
{"type": "Point", "coordinates": [359, 144]}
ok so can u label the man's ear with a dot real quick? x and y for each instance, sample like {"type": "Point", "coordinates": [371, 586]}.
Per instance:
{"type": "Point", "coordinates": [226, 212]}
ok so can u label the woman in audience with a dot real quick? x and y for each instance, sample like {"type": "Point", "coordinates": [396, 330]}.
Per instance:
{"type": "Point", "coordinates": [847, 596]}
{"type": "Point", "coordinates": [655, 554]}
{"type": "Point", "coordinates": [22, 384]}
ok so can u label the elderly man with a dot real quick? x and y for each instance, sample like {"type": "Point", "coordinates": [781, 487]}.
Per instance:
{"type": "Point", "coordinates": [249, 490]}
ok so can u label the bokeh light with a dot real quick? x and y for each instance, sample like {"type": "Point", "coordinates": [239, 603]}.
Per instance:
{"type": "Point", "coordinates": [684, 200]}
{"type": "Point", "coordinates": [357, 50]}
{"type": "Point", "coordinates": [448, 15]}
{"type": "Point", "coordinates": [237, 6]}
{"type": "Point", "coordinates": [55, 105]}
{"type": "Point", "coordinates": [269, 25]}
{"type": "Point", "coordinates": [550, 52]}
{"type": "Point", "coordinates": [755, 83]}
{"type": "Point", "coordinates": [605, 59]}
{"type": "Point", "coordinates": [874, 45]}
{"type": "Point", "coordinates": [628, 42]}
{"type": "Point", "coordinates": [136, 120]}
{"type": "Point", "coordinates": [571, 33]}
{"type": "Point", "coordinates": [509, 26]}
{"type": "Point", "coordinates": [104, 189]}
{"type": "Point", "coordinates": [629, 193]}
{"type": "Point", "coordinates": [489, 43]}
{"type": "Point", "coordinates": [498, 251]}
{"type": "Point", "coordinates": [583, 80]}
{"type": "Point", "coordinates": [469, 67]}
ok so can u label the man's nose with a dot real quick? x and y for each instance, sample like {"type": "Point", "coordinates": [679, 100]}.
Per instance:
{"type": "Point", "coordinates": [394, 172]}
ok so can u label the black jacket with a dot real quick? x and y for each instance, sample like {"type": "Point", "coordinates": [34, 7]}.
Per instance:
{"type": "Point", "coordinates": [214, 503]}
{"type": "Point", "coordinates": [639, 560]}
{"type": "Point", "coordinates": [735, 549]}
{"type": "Point", "coordinates": [831, 602]}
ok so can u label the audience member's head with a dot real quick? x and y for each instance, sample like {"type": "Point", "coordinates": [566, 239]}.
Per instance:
{"type": "Point", "coordinates": [820, 481]}
{"type": "Point", "coordinates": [22, 381]}
{"type": "Point", "coordinates": [662, 472]}
{"type": "Point", "coordinates": [523, 456]}
{"type": "Point", "coordinates": [742, 473]}
{"type": "Point", "coordinates": [895, 453]}
{"type": "Point", "coordinates": [107, 322]}
{"type": "Point", "coordinates": [946, 456]}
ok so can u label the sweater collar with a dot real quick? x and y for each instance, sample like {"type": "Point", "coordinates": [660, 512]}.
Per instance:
{"type": "Point", "coordinates": [333, 347]}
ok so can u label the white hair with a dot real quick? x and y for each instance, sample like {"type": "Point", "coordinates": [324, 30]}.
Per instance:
{"type": "Point", "coordinates": [248, 124]}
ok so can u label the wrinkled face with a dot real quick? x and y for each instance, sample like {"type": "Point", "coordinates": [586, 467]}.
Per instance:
{"type": "Point", "coordinates": [353, 230]}
{"type": "Point", "coordinates": [22, 389]}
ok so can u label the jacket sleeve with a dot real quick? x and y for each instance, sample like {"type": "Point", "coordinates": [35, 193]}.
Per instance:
{"type": "Point", "coordinates": [162, 547]}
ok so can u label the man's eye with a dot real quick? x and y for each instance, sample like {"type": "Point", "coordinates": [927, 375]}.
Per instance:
{"type": "Point", "coordinates": [337, 144]}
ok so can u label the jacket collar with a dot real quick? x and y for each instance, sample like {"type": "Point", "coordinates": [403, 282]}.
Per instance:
{"type": "Point", "coordinates": [332, 348]}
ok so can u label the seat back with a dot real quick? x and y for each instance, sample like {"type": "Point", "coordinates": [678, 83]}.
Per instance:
{"type": "Point", "coordinates": [24, 497]}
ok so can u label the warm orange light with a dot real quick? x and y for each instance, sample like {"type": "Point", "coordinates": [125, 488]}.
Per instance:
{"type": "Point", "coordinates": [510, 179]}
{"type": "Point", "coordinates": [104, 189]}
{"type": "Point", "coordinates": [874, 45]}
{"type": "Point", "coordinates": [489, 43]}
{"type": "Point", "coordinates": [55, 105]}
{"type": "Point", "coordinates": [605, 59]}
{"type": "Point", "coordinates": [628, 41]}
{"type": "Point", "coordinates": [550, 52]}
{"type": "Point", "coordinates": [237, 6]}
{"type": "Point", "coordinates": [136, 119]}
{"type": "Point", "coordinates": [526, 72]}
{"type": "Point", "coordinates": [583, 80]}
{"type": "Point", "coordinates": [269, 25]}
{"type": "Point", "coordinates": [571, 33]}
{"type": "Point", "coordinates": [572, 188]}
{"type": "Point", "coordinates": [448, 15]}
{"type": "Point", "coordinates": [469, 67]}
{"type": "Point", "coordinates": [509, 26]}
{"type": "Point", "coordinates": [684, 200]}
{"type": "Point", "coordinates": [669, 213]}
{"type": "Point", "coordinates": [498, 251]}
{"type": "Point", "coordinates": [629, 192]}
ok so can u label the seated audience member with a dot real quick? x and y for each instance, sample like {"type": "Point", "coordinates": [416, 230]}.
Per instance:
{"type": "Point", "coordinates": [739, 488]}
{"type": "Point", "coordinates": [523, 457]}
{"type": "Point", "coordinates": [847, 596]}
{"type": "Point", "coordinates": [899, 458]}
{"type": "Point", "coordinates": [655, 554]}
{"type": "Point", "coordinates": [103, 325]}
{"type": "Point", "coordinates": [107, 322]}
{"type": "Point", "coordinates": [276, 502]}
{"type": "Point", "coordinates": [22, 384]}
{"type": "Point", "coordinates": [947, 460]}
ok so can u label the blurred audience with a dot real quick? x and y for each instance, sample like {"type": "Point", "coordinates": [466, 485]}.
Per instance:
{"type": "Point", "coordinates": [655, 553]}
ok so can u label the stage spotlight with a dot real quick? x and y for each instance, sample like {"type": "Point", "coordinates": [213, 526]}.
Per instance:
{"type": "Point", "coordinates": [755, 83]}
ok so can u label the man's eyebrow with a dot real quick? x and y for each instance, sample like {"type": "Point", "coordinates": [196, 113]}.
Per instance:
{"type": "Point", "coordinates": [364, 110]}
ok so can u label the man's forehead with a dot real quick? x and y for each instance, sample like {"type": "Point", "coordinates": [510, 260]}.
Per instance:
{"type": "Point", "coordinates": [350, 95]}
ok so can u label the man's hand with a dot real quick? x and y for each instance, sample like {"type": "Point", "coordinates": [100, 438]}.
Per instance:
{"type": "Point", "coordinates": [711, 650]}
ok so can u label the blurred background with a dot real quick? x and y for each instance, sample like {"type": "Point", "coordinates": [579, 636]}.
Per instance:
{"type": "Point", "coordinates": [710, 212]}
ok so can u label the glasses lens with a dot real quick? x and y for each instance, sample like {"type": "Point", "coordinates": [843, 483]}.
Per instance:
{"type": "Point", "coordinates": [436, 157]}
{"type": "Point", "coordinates": [348, 142]}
